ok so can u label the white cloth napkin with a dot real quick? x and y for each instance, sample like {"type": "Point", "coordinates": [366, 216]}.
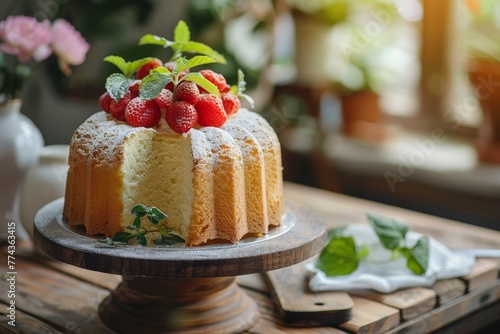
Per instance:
{"type": "Point", "coordinates": [375, 273]}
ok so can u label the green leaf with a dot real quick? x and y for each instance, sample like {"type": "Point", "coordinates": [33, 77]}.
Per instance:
{"type": "Point", "coordinates": [199, 48]}
{"type": "Point", "coordinates": [139, 210]}
{"type": "Point", "coordinates": [201, 81]}
{"type": "Point", "coordinates": [122, 236]}
{"type": "Point", "coordinates": [240, 88]}
{"type": "Point", "coordinates": [168, 240]}
{"type": "Point", "coordinates": [153, 83]}
{"type": "Point", "coordinates": [127, 68]}
{"type": "Point", "coordinates": [391, 232]}
{"type": "Point", "coordinates": [198, 61]}
{"type": "Point", "coordinates": [338, 257]}
{"type": "Point", "coordinates": [137, 222]}
{"type": "Point", "coordinates": [118, 62]}
{"type": "Point", "coordinates": [180, 65]}
{"type": "Point", "coordinates": [158, 213]}
{"type": "Point", "coordinates": [141, 239]}
{"type": "Point", "coordinates": [418, 259]}
{"type": "Point", "coordinates": [155, 40]}
{"type": "Point", "coordinates": [173, 239]}
{"type": "Point", "coordinates": [164, 231]}
{"type": "Point", "coordinates": [181, 32]}
{"type": "Point", "coordinates": [242, 84]}
{"type": "Point", "coordinates": [117, 85]}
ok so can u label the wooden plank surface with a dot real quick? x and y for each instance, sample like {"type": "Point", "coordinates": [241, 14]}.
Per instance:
{"type": "Point", "coordinates": [299, 306]}
{"type": "Point", "coordinates": [371, 317]}
{"type": "Point", "coordinates": [65, 303]}
{"type": "Point", "coordinates": [64, 299]}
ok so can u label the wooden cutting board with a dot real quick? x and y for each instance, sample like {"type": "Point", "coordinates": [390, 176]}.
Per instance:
{"type": "Point", "coordinates": [299, 306]}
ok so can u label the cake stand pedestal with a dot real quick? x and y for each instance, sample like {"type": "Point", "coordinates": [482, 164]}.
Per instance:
{"type": "Point", "coordinates": [181, 289]}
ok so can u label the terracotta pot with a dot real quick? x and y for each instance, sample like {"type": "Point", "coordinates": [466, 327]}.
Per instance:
{"type": "Point", "coordinates": [362, 117]}
{"type": "Point", "coordinates": [484, 75]}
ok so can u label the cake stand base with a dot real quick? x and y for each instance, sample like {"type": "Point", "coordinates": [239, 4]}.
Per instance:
{"type": "Point", "coordinates": [196, 305]}
{"type": "Point", "coordinates": [181, 289]}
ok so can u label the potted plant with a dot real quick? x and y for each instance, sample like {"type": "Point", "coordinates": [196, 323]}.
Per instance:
{"type": "Point", "coordinates": [362, 117]}
{"type": "Point", "coordinates": [483, 50]}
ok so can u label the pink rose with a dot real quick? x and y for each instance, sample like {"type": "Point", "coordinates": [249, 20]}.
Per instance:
{"type": "Point", "coordinates": [25, 37]}
{"type": "Point", "coordinates": [68, 44]}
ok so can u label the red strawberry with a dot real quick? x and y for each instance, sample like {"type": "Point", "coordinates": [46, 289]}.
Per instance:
{"type": "Point", "coordinates": [217, 79]}
{"type": "Point", "coordinates": [105, 101]}
{"type": "Point", "coordinates": [210, 110]}
{"type": "Point", "coordinates": [164, 99]}
{"type": "Point", "coordinates": [181, 117]}
{"type": "Point", "coordinates": [141, 112]}
{"type": "Point", "coordinates": [187, 91]}
{"type": "Point", "coordinates": [134, 88]}
{"type": "Point", "coordinates": [117, 108]}
{"type": "Point", "coordinates": [144, 69]}
{"type": "Point", "coordinates": [230, 102]}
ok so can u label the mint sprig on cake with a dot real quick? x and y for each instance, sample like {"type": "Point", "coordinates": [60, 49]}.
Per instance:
{"type": "Point", "coordinates": [147, 90]}
{"type": "Point", "coordinates": [138, 232]}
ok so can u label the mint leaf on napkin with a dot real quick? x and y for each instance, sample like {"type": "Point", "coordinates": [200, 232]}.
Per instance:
{"type": "Point", "coordinates": [341, 255]}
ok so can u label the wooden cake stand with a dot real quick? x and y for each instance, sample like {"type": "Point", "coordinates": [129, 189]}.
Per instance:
{"type": "Point", "coordinates": [181, 289]}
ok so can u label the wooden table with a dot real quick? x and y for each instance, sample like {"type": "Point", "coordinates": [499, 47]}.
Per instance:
{"type": "Point", "coordinates": [53, 297]}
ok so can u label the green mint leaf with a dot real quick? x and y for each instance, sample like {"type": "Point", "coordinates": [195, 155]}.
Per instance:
{"type": "Point", "coordinates": [141, 239]}
{"type": "Point", "coordinates": [391, 232]}
{"type": "Point", "coordinates": [173, 239]}
{"type": "Point", "coordinates": [153, 83]}
{"type": "Point", "coordinates": [117, 85]}
{"type": "Point", "coordinates": [240, 88]}
{"type": "Point", "coordinates": [164, 231]}
{"type": "Point", "coordinates": [199, 48]}
{"type": "Point", "coordinates": [122, 237]}
{"type": "Point", "coordinates": [200, 80]}
{"type": "Point", "coordinates": [198, 61]}
{"type": "Point", "coordinates": [153, 219]}
{"type": "Point", "coordinates": [180, 65]}
{"type": "Point", "coordinates": [338, 257]}
{"type": "Point", "coordinates": [418, 259]}
{"type": "Point", "coordinates": [137, 222]}
{"type": "Point", "coordinates": [155, 40]}
{"type": "Point", "coordinates": [158, 213]}
{"type": "Point", "coordinates": [242, 84]}
{"type": "Point", "coordinates": [127, 68]}
{"type": "Point", "coordinates": [182, 33]}
{"type": "Point", "coordinates": [139, 210]}
{"type": "Point", "coordinates": [168, 240]}
{"type": "Point", "coordinates": [118, 62]}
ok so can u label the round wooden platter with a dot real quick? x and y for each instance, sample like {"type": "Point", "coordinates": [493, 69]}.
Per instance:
{"type": "Point", "coordinates": [181, 289]}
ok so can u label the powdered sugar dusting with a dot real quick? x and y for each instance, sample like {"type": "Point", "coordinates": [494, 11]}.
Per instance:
{"type": "Point", "coordinates": [257, 126]}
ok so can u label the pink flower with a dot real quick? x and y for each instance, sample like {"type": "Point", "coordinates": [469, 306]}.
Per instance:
{"type": "Point", "coordinates": [68, 44]}
{"type": "Point", "coordinates": [25, 37]}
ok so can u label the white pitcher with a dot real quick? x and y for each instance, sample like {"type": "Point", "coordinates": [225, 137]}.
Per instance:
{"type": "Point", "coordinates": [44, 183]}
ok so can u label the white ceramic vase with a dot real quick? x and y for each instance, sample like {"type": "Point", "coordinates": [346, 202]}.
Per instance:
{"type": "Point", "coordinates": [20, 146]}
{"type": "Point", "coordinates": [44, 182]}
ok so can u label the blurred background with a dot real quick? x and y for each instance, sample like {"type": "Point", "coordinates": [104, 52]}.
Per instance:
{"type": "Point", "coordinates": [389, 100]}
